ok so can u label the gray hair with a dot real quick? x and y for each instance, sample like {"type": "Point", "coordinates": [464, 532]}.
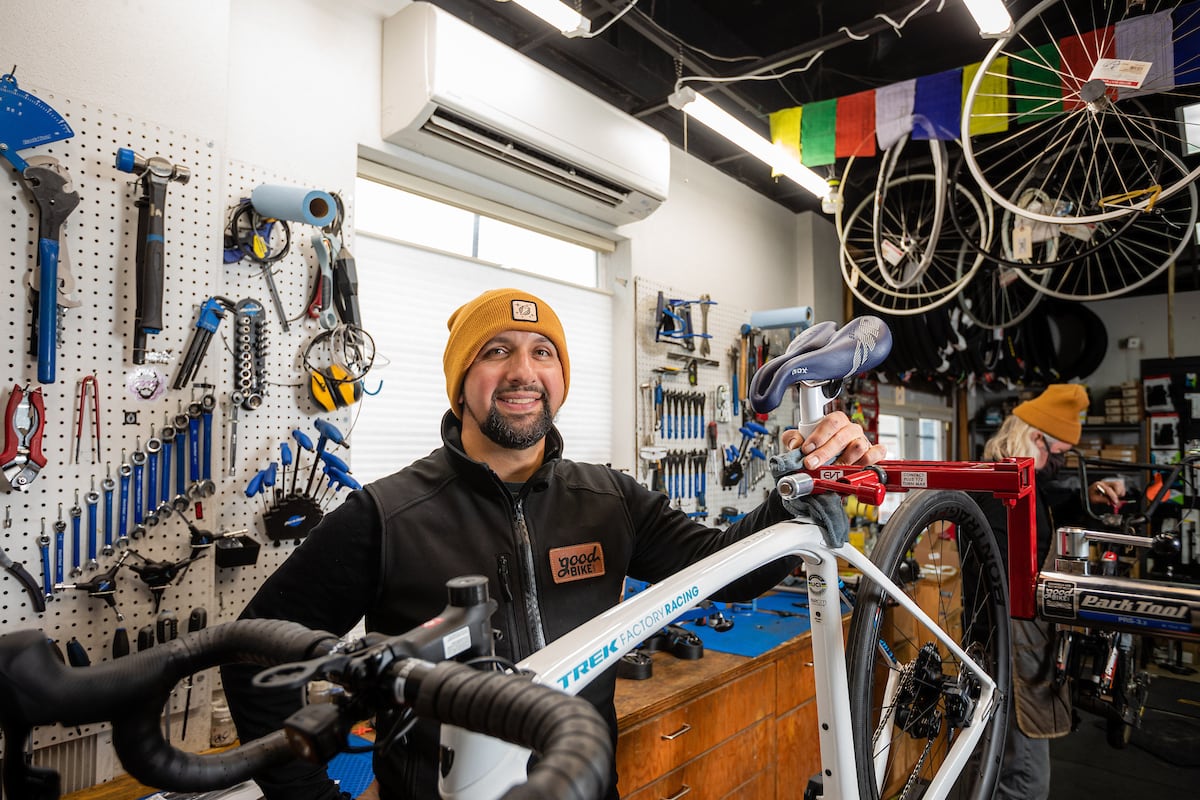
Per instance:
{"type": "Point", "coordinates": [1013, 440]}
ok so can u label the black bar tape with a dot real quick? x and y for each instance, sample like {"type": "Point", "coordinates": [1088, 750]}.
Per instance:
{"type": "Point", "coordinates": [36, 689]}
{"type": "Point", "coordinates": [138, 742]}
{"type": "Point", "coordinates": [572, 739]}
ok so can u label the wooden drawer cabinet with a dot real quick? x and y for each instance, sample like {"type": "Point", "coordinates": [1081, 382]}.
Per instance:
{"type": "Point", "coordinates": [676, 736]}
{"type": "Point", "coordinates": [724, 771]}
{"type": "Point", "coordinates": [760, 787]}
{"type": "Point", "coordinates": [797, 750]}
{"type": "Point", "coordinates": [721, 728]}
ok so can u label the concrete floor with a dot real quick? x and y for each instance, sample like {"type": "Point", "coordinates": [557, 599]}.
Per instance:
{"type": "Point", "coordinates": [1085, 767]}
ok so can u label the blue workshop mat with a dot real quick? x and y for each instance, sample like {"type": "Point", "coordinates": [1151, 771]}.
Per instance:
{"type": "Point", "coordinates": [754, 632]}
{"type": "Point", "coordinates": [353, 771]}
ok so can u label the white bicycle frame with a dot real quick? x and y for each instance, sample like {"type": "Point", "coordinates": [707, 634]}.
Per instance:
{"type": "Point", "coordinates": [484, 768]}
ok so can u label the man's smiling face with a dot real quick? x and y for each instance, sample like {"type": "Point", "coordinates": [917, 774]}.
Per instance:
{"type": "Point", "coordinates": [513, 389]}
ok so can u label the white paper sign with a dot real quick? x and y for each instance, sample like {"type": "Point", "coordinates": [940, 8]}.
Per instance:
{"type": "Point", "coordinates": [1121, 72]}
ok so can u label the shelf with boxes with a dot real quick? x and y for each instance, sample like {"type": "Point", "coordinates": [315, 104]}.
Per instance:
{"type": "Point", "coordinates": [1120, 405]}
{"type": "Point", "coordinates": [1113, 428]}
{"type": "Point", "coordinates": [1110, 442]}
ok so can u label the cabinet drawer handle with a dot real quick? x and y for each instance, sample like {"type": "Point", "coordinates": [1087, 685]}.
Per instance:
{"type": "Point", "coordinates": [680, 793]}
{"type": "Point", "coordinates": [670, 736]}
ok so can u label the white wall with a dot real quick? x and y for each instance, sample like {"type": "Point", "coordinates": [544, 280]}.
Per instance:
{"type": "Point", "coordinates": [715, 235]}
{"type": "Point", "coordinates": [304, 87]}
{"type": "Point", "coordinates": [1148, 319]}
{"type": "Point", "coordinates": [166, 62]}
{"type": "Point", "coordinates": [818, 271]}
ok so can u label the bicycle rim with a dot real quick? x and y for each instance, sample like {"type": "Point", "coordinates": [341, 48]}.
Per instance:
{"type": "Point", "coordinates": [949, 268]}
{"type": "Point", "coordinates": [1042, 245]}
{"type": "Point", "coordinates": [960, 583]}
{"type": "Point", "coordinates": [1143, 249]}
{"type": "Point", "coordinates": [999, 296]}
{"type": "Point", "coordinates": [1040, 90]}
{"type": "Point", "coordinates": [908, 237]}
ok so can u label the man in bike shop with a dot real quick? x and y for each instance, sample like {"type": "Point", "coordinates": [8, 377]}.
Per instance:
{"type": "Point", "coordinates": [497, 499]}
{"type": "Point", "coordinates": [1043, 429]}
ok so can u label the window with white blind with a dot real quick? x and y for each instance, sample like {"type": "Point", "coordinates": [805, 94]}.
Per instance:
{"type": "Point", "coordinates": [408, 290]}
{"type": "Point", "coordinates": [912, 425]}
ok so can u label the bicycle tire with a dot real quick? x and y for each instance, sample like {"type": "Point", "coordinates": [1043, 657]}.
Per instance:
{"type": "Point", "coordinates": [1052, 104]}
{"type": "Point", "coordinates": [968, 581]}
{"type": "Point", "coordinates": [1142, 252]}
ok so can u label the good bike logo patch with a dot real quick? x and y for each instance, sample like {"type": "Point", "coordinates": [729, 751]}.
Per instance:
{"type": "Point", "coordinates": [577, 562]}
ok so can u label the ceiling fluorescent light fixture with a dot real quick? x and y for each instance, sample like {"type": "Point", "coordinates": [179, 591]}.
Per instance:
{"type": "Point", "coordinates": [781, 160]}
{"type": "Point", "coordinates": [991, 16]}
{"type": "Point", "coordinates": [560, 15]}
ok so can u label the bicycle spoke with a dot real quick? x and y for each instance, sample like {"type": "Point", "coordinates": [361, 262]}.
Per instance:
{"type": "Point", "coordinates": [1137, 250]}
{"type": "Point", "coordinates": [907, 232]}
{"type": "Point", "coordinates": [905, 223]}
{"type": "Point", "coordinates": [1055, 109]}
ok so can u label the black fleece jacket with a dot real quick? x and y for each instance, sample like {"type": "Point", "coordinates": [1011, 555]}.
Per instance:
{"type": "Point", "coordinates": [387, 552]}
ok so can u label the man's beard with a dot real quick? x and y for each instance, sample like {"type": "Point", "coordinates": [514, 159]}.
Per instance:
{"type": "Point", "coordinates": [504, 433]}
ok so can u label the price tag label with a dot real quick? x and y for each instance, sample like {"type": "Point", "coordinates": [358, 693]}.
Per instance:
{"type": "Point", "coordinates": [1121, 72]}
{"type": "Point", "coordinates": [892, 253]}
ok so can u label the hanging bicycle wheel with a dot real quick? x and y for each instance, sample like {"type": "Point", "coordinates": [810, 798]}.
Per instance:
{"type": "Point", "coordinates": [999, 296]}
{"type": "Point", "coordinates": [931, 271]}
{"type": "Point", "coordinates": [1072, 77]}
{"type": "Point", "coordinates": [1021, 242]}
{"type": "Point", "coordinates": [1136, 249]}
{"type": "Point", "coordinates": [909, 696]}
{"type": "Point", "coordinates": [909, 244]}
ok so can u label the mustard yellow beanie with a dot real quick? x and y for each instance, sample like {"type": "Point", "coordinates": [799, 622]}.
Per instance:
{"type": "Point", "coordinates": [472, 325]}
{"type": "Point", "coordinates": [1056, 411]}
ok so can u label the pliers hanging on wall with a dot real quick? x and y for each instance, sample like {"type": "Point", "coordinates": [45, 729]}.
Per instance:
{"type": "Point", "coordinates": [22, 459]}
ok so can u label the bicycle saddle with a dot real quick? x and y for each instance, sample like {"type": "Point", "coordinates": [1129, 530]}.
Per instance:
{"type": "Point", "coordinates": [819, 355]}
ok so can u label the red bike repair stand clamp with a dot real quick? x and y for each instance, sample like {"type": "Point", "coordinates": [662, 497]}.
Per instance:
{"type": "Point", "coordinates": [1010, 480]}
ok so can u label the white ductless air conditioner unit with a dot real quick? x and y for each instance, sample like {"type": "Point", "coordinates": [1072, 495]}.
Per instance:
{"type": "Point", "coordinates": [456, 95]}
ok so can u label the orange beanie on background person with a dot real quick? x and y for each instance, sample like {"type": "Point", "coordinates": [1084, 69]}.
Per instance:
{"type": "Point", "coordinates": [1056, 411]}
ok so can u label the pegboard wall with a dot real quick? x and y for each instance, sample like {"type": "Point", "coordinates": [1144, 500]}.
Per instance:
{"type": "Point", "coordinates": [676, 444]}
{"type": "Point", "coordinates": [98, 270]}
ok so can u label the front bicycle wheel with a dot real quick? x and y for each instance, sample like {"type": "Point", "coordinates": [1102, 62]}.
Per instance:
{"type": "Point", "coordinates": [910, 696]}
